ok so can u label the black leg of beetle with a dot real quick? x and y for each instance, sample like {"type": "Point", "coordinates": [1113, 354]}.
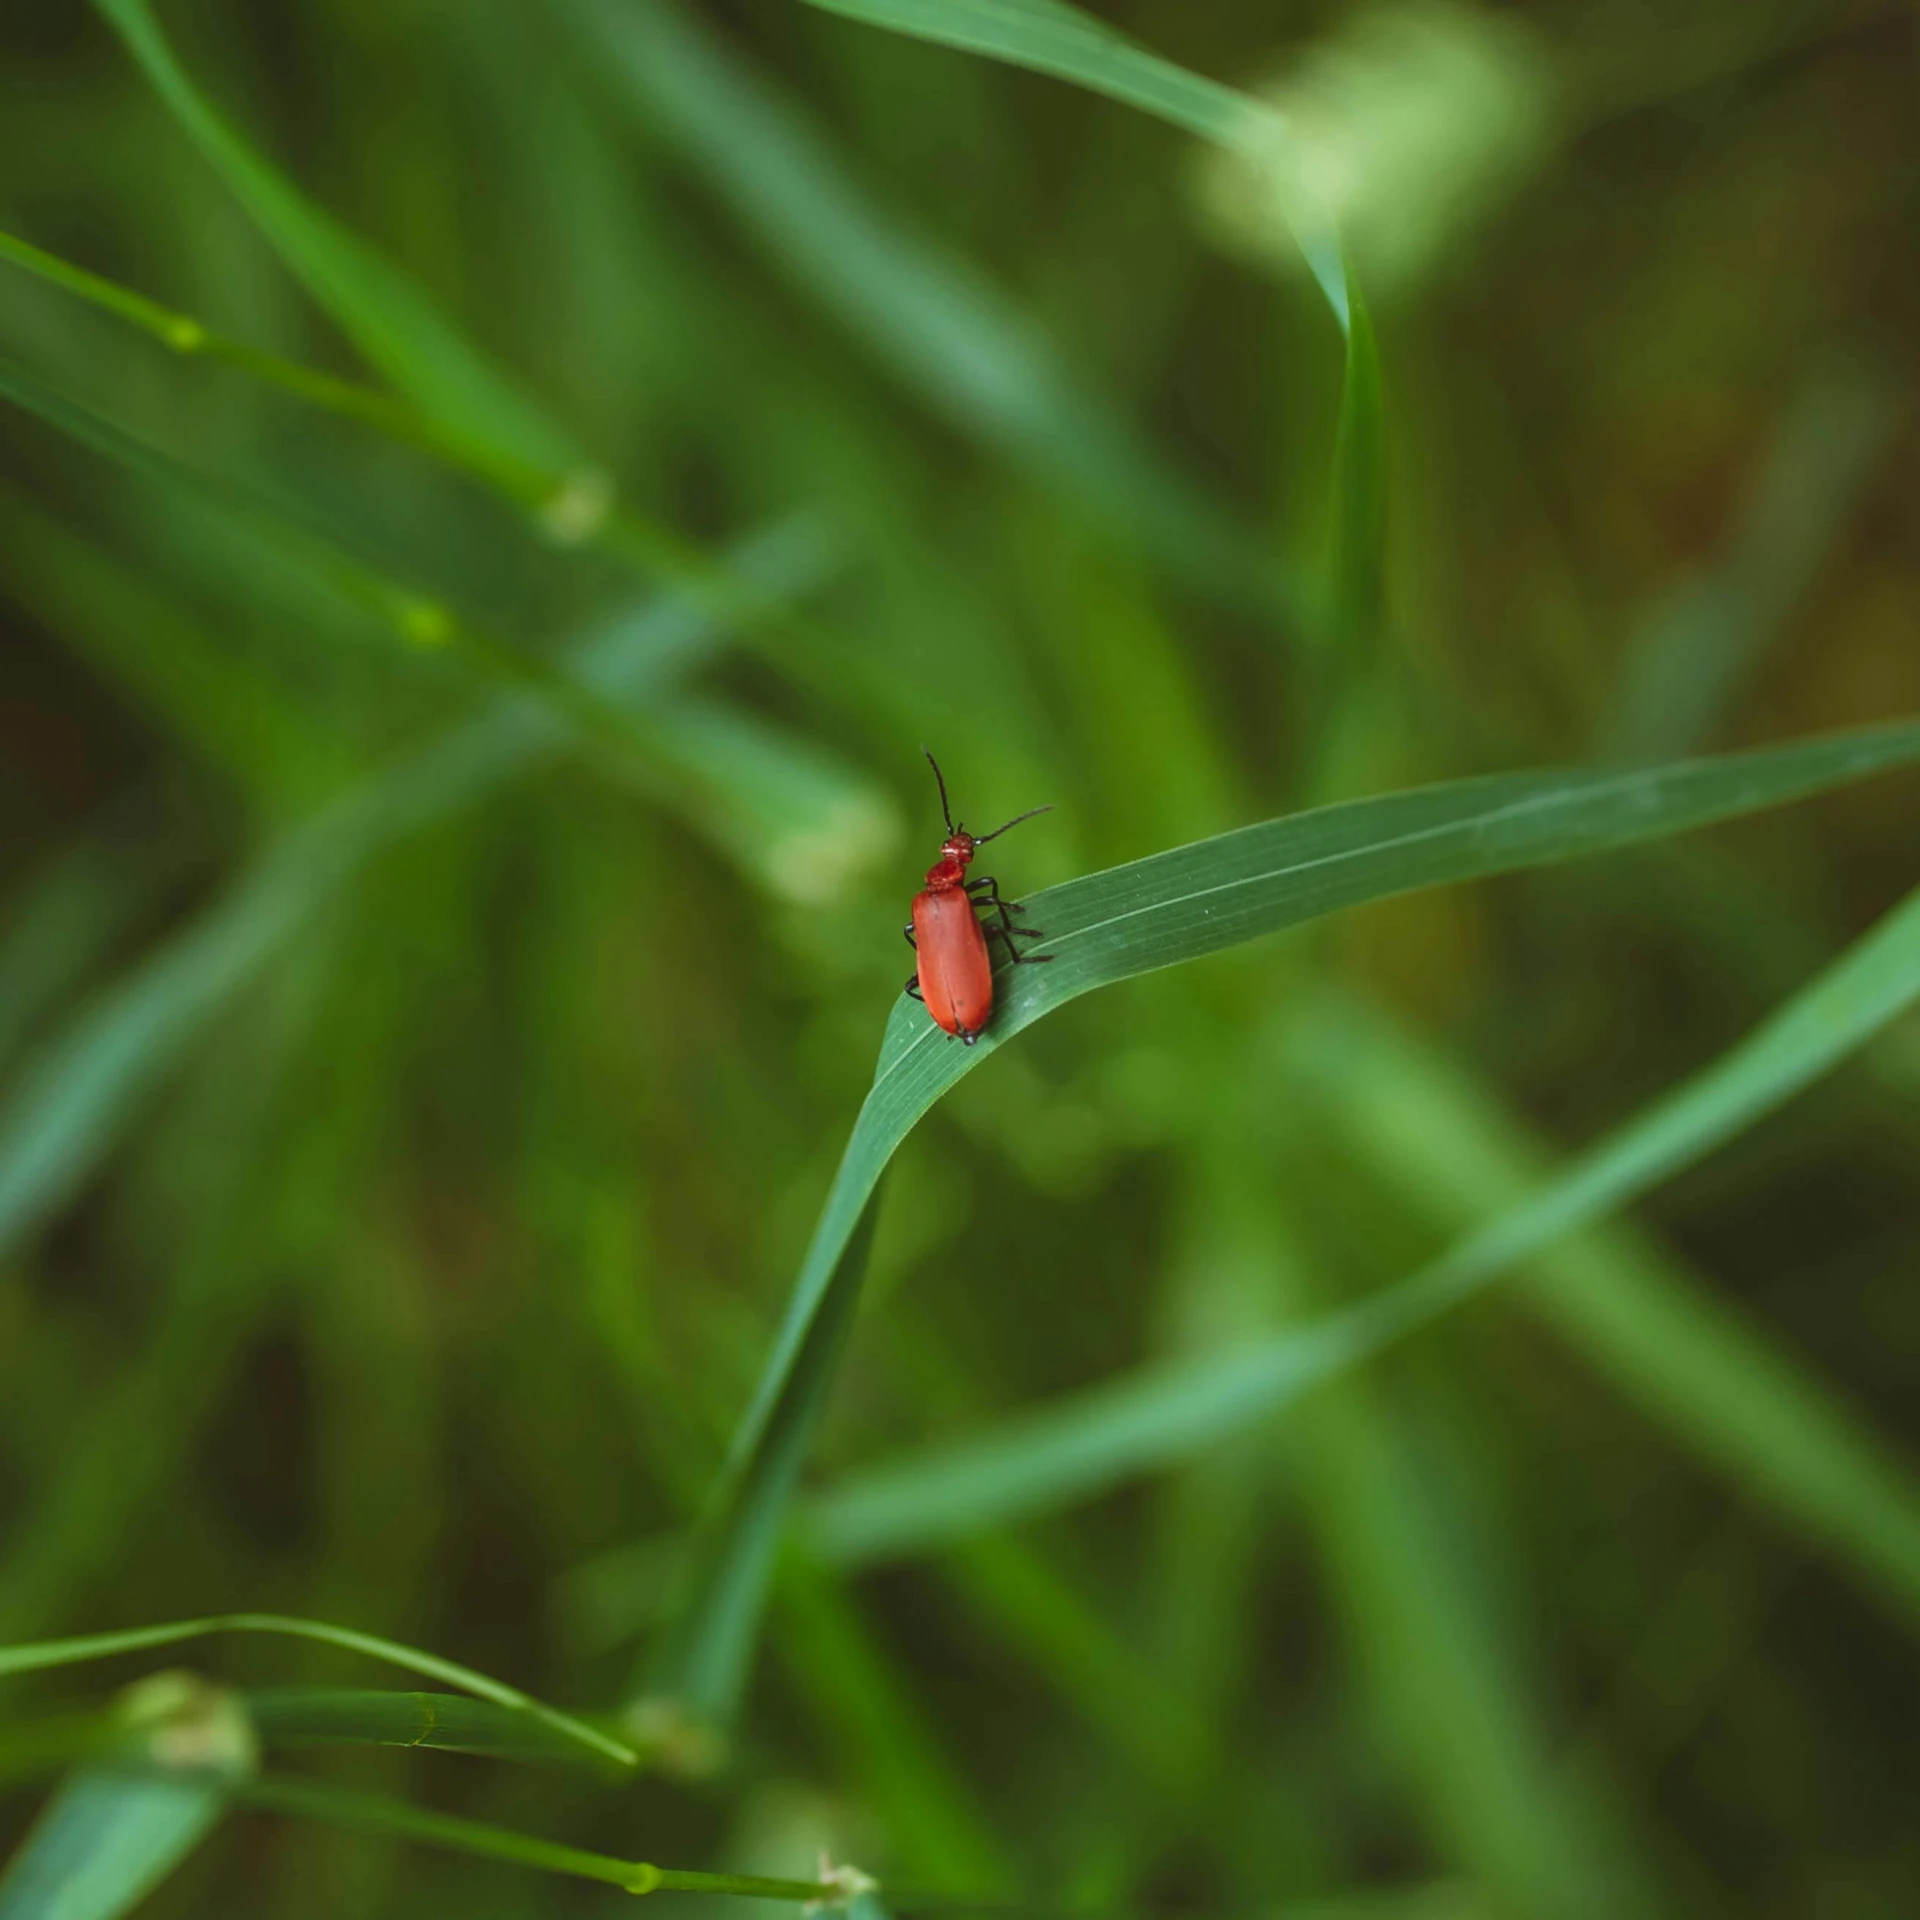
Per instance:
{"type": "Point", "coordinates": [913, 988]}
{"type": "Point", "coordinates": [911, 941]}
{"type": "Point", "coordinates": [991, 887]}
{"type": "Point", "coordinates": [1005, 933]}
{"type": "Point", "coordinates": [989, 895]}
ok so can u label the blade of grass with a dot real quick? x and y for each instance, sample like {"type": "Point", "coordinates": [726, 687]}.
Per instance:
{"type": "Point", "coordinates": [700, 1664]}
{"type": "Point", "coordinates": [103, 1842]}
{"type": "Point", "coordinates": [413, 616]}
{"type": "Point", "coordinates": [385, 315]}
{"type": "Point", "coordinates": [367, 1813]}
{"type": "Point", "coordinates": [943, 330]}
{"type": "Point", "coordinates": [1154, 913]}
{"type": "Point", "coordinates": [571, 506]}
{"type": "Point", "coordinates": [39, 1657]}
{"type": "Point", "coordinates": [1688, 1360]}
{"type": "Point", "coordinates": [1092, 1441]}
{"type": "Point", "coordinates": [62, 1111]}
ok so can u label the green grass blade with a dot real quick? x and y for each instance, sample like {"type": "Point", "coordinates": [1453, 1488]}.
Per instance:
{"type": "Point", "coordinates": [103, 1842]}
{"type": "Point", "coordinates": [66, 1105]}
{"type": "Point", "coordinates": [1092, 1441]}
{"type": "Point", "coordinates": [410, 615]}
{"type": "Point", "coordinates": [367, 1813]}
{"type": "Point", "coordinates": [1686, 1358]}
{"type": "Point", "coordinates": [38, 1657]}
{"type": "Point", "coordinates": [701, 1663]}
{"type": "Point", "coordinates": [1155, 913]}
{"type": "Point", "coordinates": [385, 315]}
{"type": "Point", "coordinates": [1047, 36]}
{"type": "Point", "coordinates": [941, 328]}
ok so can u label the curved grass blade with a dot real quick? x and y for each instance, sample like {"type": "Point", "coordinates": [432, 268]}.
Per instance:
{"type": "Point", "coordinates": [1155, 913]}
{"type": "Point", "coordinates": [385, 315]}
{"type": "Point", "coordinates": [575, 506]}
{"type": "Point", "coordinates": [700, 1664]}
{"type": "Point", "coordinates": [310, 1800]}
{"type": "Point", "coordinates": [64, 1108]}
{"type": "Point", "coordinates": [413, 616]}
{"type": "Point", "coordinates": [1683, 1355]}
{"type": "Point", "coordinates": [38, 1657]}
{"type": "Point", "coordinates": [103, 1843]}
{"type": "Point", "coordinates": [1047, 36]}
{"type": "Point", "coordinates": [1094, 1440]}
{"type": "Point", "coordinates": [942, 329]}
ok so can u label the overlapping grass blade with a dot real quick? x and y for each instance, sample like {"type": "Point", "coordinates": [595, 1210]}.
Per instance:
{"type": "Point", "coordinates": [1690, 1361]}
{"type": "Point", "coordinates": [1082, 1446]}
{"type": "Point", "coordinates": [64, 1108]}
{"type": "Point", "coordinates": [410, 614]}
{"type": "Point", "coordinates": [939, 326]}
{"type": "Point", "coordinates": [39, 1656]}
{"type": "Point", "coordinates": [1051, 37]}
{"type": "Point", "coordinates": [1155, 913]}
{"type": "Point", "coordinates": [103, 1843]}
{"type": "Point", "coordinates": [382, 311]}
{"type": "Point", "coordinates": [701, 1663]}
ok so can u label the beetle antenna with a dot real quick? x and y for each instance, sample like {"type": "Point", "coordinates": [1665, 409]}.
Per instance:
{"type": "Point", "coordinates": [981, 838]}
{"type": "Point", "coordinates": [946, 811]}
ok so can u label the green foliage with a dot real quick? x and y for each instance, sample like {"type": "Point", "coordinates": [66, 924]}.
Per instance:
{"type": "Point", "coordinates": [1398, 1419]}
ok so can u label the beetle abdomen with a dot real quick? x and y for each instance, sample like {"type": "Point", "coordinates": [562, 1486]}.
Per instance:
{"type": "Point", "coordinates": [956, 977]}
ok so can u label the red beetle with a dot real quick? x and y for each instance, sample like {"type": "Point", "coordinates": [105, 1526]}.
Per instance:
{"type": "Point", "coordinates": [954, 979]}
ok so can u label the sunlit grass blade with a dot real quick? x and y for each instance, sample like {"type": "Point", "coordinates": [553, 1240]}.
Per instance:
{"type": "Point", "coordinates": [1155, 913]}
{"type": "Point", "coordinates": [339, 1716]}
{"type": "Point", "coordinates": [1051, 37]}
{"type": "Point", "coordinates": [45, 1654]}
{"type": "Point", "coordinates": [103, 1843]}
{"type": "Point", "coordinates": [385, 315]}
{"type": "Point", "coordinates": [1686, 1358]}
{"type": "Point", "coordinates": [1082, 1446]}
{"type": "Point", "coordinates": [63, 1109]}
{"type": "Point", "coordinates": [943, 329]}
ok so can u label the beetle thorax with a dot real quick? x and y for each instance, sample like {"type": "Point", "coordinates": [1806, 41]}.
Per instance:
{"type": "Point", "coordinates": [950, 870]}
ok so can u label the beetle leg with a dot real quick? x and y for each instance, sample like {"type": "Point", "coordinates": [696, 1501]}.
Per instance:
{"type": "Point", "coordinates": [911, 941]}
{"type": "Point", "coordinates": [913, 988]}
{"type": "Point", "coordinates": [1006, 931]}
{"type": "Point", "coordinates": [991, 887]}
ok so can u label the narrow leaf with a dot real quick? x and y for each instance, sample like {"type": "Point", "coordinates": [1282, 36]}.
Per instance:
{"type": "Point", "coordinates": [1048, 36]}
{"type": "Point", "coordinates": [1085, 1444]}
{"type": "Point", "coordinates": [1155, 913]}
{"type": "Point", "coordinates": [1686, 1357]}
{"type": "Point", "coordinates": [385, 315]}
{"type": "Point", "coordinates": [103, 1842]}
{"type": "Point", "coordinates": [41, 1655]}
{"type": "Point", "coordinates": [63, 1109]}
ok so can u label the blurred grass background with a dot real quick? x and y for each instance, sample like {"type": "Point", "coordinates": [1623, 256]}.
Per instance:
{"type": "Point", "coordinates": [412, 1116]}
